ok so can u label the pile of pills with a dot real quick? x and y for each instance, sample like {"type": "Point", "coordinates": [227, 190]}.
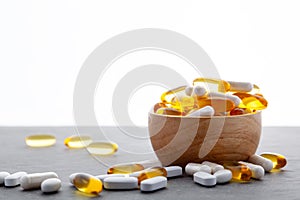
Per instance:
{"type": "Point", "coordinates": [221, 99]}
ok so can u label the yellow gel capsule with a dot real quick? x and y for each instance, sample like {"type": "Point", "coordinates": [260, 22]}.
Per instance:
{"type": "Point", "coordinates": [252, 101]}
{"type": "Point", "coordinates": [125, 168]}
{"type": "Point", "coordinates": [77, 141]}
{"type": "Point", "coordinates": [152, 172]}
{"type": "Point", "coordinates": [40, 140]}
{"type": "Point", "coordinates": [168, 111]}
{"type": "Point", "coordinates": [87, 184]}
{"type": "Point", "coordinates": [219, 104]}
{"type": "Point", "coordinates": [170, 96]}
{"type": "Point", "coordinates": [279, 161]}
{"type": "Point", "coordinates": [223, 86]}
{"type": "Point", "coordinates": [102, 148]}
{"type": "Point", "coordinates": [239, 171]}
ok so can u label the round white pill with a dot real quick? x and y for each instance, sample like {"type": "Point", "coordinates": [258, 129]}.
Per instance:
{"type": "Point", "coordinates": [2, 177]}
{"type": "Point", "coordinates": [51, 185]}
{"type": "Point", "coordinates": [223, 176]}
{"type": "Point", "coordinates": [205, 179]}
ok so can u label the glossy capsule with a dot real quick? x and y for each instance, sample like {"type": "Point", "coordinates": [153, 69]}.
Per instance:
{"type": "Point", "coordinates": [239, 171]}
{"type": "Point", "coordinates": [171, 96]}
{"type": "Point", "coordinates": [219, 104]}
{"type": "Point", "coordinates": [223, 86]}
{"type": "Point", "coordinates": [77, 141]}
{"type": "Point", "coordinates": [152, 172]}
{"type": "Point", "coordinates": [252, 101]}
{"type": "Point", "coordinates": [168, 111]}
{"type": "Point", "coordinates": [102, 148]}
{"type": "Point", "coordinates": [279, 161]}
{"type": "Point", "coordinates": [125, 168]}
{"type": "Point", "coordinates": [40, 140]}
{"type": "Point", "coordinates": [87, 184]}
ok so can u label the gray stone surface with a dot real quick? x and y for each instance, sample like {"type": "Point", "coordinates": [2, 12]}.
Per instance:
{"type": "Point", "coordinates": [16, 156]}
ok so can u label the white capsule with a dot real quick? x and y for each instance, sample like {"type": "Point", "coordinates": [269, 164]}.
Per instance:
{"type": "Point", "coordinates": [257, 171]}
{"type": "Point", "coordinates": [264, 162]}
{"type": "Point", "coordinates": [199, 91]}
{"type": "Point", "coordinates": [153, 184]}
{"type": "Point", "coordinates": [205, 179]}
{"type": "Point", "coordinates": [120, 183]}
{"type": "Point", "coordinates": [72, 176]}
{"type": "Point", "coordinates": [223, 176]}
{"type": "Point", "coordinates": [236, 100]}
{"type": "Point", "coordinates": [13, 179]}
{"type": "Point", "coordinates": [189, 91]}
{"type": "Point", "coordinates": [205, 111]}
{"type": "Point", "coordinates": [214, 167]}
{"type": "Point", "coordinates": [2, 177]}
{"type": "Point", "coordinates": [104, 176]}
{"type": "Point", "coordinates": [240, 86]}
{"type": "Point", "coordinates": [192, 168]}
{"type": "Point", "coordinates": [34, 181]}
{"type": "Point", "coordinates": [173, 171]}
{"type": "Point", "coordinates": [51, 185]}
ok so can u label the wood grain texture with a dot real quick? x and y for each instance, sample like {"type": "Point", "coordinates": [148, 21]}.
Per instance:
{"type": "Point", "coordinates": [179, 140]}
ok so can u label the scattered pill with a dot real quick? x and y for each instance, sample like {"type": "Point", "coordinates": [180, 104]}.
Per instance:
{"type": "Point", "coordinates": [152, 172]}
{"type": "Point", "coordinates": [13, 179]}
{"type": "Point", "coordinates": [264, 162]}
{"type": "Point", "coordinates": [104, 176]}
{"type": "Point", "coordinates": [40, 140]}
{"type": "Point", "coordinates": [214, 167]}
{"type": "Point", "coordinates": [51, 185]}
{"type": "Point", "coordinates": [192, 168]}
{"type": "Point", "coordinates": [72, 176]}
{"type": "Point", "coordinates": [34, 181]}
{"type": "Point", "coordinates": [77, 141]}
{"type": "Point", "coordinates": [102, 148]}
{"type": "Point", "coordinates": [223, 176]}
{"type": "Point", "coordinates": [205, 111]}
{"type": "Point", "coordinates": [239, 171]}
{"type": "Point", "coordinates": [125, 168]}
{"type": "Point", "coordinates": [257, 171]}
{"type": "Point", "coordinates": [120, 183]}
{"type": "Point", "coordinates": [279, 161]}
{"type": "Point", "coordinates": [153, 184]}
{"type": "Point", "coordinates": [240, 86]}
{"type": "Point", "coordinates": [2, 177]}
{"type": "Point", "coordinates": [173, 171]}
{"type": "Point", "coordinates": [87, 183]}
{"type": "Point", "coordinates": [205, 179]}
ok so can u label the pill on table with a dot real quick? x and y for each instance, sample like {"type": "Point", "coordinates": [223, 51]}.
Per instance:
{"type": "Point", "coordinates": [120, 183]}
{"type": "Point", "coordinates": [152, 172]}
{"type": "Point", "coordinates": [173, 171]}
{"type": "Point", "coordinates": [153, 184]}
{"type": "Point", "coordinates": [76, 142]}
{"type": "Point", "coordinates": [214, 167]}
{"type": "Point", "coordinates": [192, 168]}
{"type": "Point", "coordinates": [34, 181]}
{"type": "Point", "coordinates": [2, 177]}
{"type": "Point", "coordinates": [102, 148]}
{"type": "Point", "coordinates": [264, 162]}
{"type": "Point", "coordinates": [72, 176]}
{"type": "Point", "coordinates": [13, 179]}
{"type": "Point", "coordinates": [257, 171]}
{"type": "Point", "coordinates": [205, 111]}
{"type": "Point", "coordinates": [239, 171]}
{"type": "Point", "coordinates": [51, 185]}
{"type": "Point", "coordinates": [87, 183]}
{"type": "Point", "coordinates": [223, 176]}
{"type": "Point", "coordinates": [128, 168]}
{"type": "Point", "coordinates": [40, 140]}
{"type": "Point", "coordinates": [240, 86]}
{"type": "Point", "coordinates": [104, 176]}
{"type": "Point", "coordinates": [279, 161]}
{"type": "Point", "coordinates": [205, 179]}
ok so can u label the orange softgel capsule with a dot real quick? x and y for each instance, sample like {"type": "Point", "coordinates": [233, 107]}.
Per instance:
{"type": "Point", "coordinates": [152, 172]}
{"type": "Point", "coordinates": [219, 104]}
{"type": "Point", "coordinates": [239, 171]}
{"type": "Point", "coordinates": [87, 184]}
{"type": "Point", "coordinates": [279, 161]}
{"type": "Point", "coordinates": [125, 168]}
{"type": "Point", "coordinates": [252, 101]}
{"type": "Point", "coordinates": [223, 86]}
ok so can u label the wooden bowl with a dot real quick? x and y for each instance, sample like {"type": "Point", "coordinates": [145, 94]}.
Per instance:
{"type": "Point", "coordinates": [179, 140]}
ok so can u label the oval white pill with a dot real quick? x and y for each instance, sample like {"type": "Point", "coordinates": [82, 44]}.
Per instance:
{"type": "Point", "coordinates": [257, 171]}
{"type": "Point", "coordinates": [214, 167]}
{"type": "Point", "coordinates": [205, 111]}
{"type": "Point", "coordinates": [2, 177]}
{"type": "Point", "coordinates": [223, 176]}
{"type": "Point", "coordinates": [51, 185]}
{"type": "Point", "coordinates": [240, 86]}
{"type": "Point", "coordinates": [199, 91]}
{"type": "Point", "coordinates": [264, 162]}
{"type": "Point", "coordinates": [236, 100]}
{"type": "Point", "coordinates": [13, 179]}
{"type": "Point", "coordinates": [104, 176]}
{"type": "Point", "coordinates": [192, 168]}
{"type": "Point", "coordinates": [205, 179]}
{"type": "Point", "coordinates": [120, 183]}
{"type": "Point", "coordinates": [173, 171]}
{"type": "Point", "coordinates": [34, 181]}
{"type": "Point", "coordinates": [153, 184]}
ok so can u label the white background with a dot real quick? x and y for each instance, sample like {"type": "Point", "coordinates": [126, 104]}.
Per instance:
{"type": "Point", "coordinates": [44, 43]}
